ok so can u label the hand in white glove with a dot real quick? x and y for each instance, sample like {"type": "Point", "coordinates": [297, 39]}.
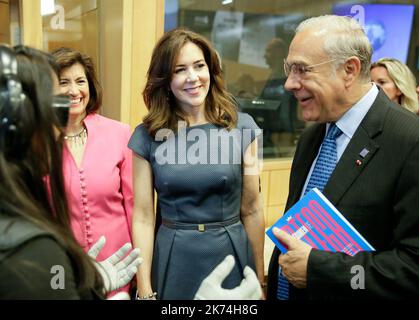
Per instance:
{"type": "Point", "coordinates": [116, 270]}
{"type": "Point", "coordinates": [210, 289]}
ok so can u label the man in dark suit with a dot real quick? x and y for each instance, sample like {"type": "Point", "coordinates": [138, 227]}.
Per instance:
{"type": "Point", "coordinates": [375, 183]}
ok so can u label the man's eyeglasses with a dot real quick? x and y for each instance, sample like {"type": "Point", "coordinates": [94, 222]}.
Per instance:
{"type": "Point", "coordinates": [300, 68]}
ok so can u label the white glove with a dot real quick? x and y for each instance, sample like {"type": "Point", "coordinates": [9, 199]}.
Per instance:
{"type": "Point", "coordinates": [116, 270]}
{"type": "Point", "coordinates": [210, 289]}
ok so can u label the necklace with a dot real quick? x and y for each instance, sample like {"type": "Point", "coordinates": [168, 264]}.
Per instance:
{"type": "Point", "coordinates": [79, 138]}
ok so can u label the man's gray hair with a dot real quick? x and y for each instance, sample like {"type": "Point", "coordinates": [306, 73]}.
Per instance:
{"type": "Point", "coordinates": [344, 38]}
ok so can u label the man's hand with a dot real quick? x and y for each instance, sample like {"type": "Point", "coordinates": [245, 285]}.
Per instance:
{"type": "Point", "coordinates": [294, 262]}
{"type": "Point", "coordinates": [210, 289]}
{"type": "Point", "coordinates": [116, 270]}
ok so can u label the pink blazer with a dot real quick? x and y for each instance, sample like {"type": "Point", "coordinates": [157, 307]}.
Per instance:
{"type": "Point", "coordinates": [100, 191]}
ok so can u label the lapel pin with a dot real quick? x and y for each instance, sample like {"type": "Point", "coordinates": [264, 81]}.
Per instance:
{"type": "Point", "coordinates": [358, 162]}
{"type": "Point", "coordinates": [364, 152]}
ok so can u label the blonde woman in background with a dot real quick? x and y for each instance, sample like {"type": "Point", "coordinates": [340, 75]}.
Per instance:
{"type": "Point", "coordinates": [397, 81]}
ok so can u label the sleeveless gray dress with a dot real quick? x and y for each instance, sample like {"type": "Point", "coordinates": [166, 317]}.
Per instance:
{"type": "Point", "coordinates": [198, 179]}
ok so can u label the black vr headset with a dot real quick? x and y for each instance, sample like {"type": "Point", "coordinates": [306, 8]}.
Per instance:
{"type": "Point", "coordinates": [13, 100]}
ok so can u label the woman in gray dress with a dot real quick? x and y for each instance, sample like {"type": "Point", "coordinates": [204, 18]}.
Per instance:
{"type": "Point", "coordinates": [200, 156]}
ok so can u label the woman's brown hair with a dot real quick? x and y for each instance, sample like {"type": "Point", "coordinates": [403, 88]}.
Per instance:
{"type": "Point", "coordinates": [163, 112]}
{"type": "Point", "coordinates": [67, 57]}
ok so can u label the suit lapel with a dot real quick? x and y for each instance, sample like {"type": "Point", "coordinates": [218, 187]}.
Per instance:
{"type": "Point", "coordinates": [354, 160]}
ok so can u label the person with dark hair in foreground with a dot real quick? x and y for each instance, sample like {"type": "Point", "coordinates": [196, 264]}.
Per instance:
{"type": "Point", "coordinates": [36, 241]}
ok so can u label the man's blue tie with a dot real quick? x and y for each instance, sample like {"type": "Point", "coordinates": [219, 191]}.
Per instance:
{"type": "Point", "coordinates": [325, 164]}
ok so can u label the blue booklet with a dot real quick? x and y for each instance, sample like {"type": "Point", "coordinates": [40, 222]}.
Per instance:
{"type": "Point", "coordinates": [316, 221]}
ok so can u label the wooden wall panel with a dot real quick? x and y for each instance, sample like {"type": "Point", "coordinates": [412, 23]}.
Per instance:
{"type": "Point", "coordinates": [90, 39]}
{"type": "Point", "coordinates": [264, 183]}
{"type": "Point", "coordinates": [147, 28]}
{"type": "Point", "coordinates": [273, 214]}
{"type": "Point", "coordinates": [4, 22]}
{"type": "Point", "coordinates": [111, 24]}
{"type": "Point", "coordinates": [275, 181]}
{"type": "Point", "coordinates": [129, 30]}
{"type": "Point", "coordinates": [30, 11]}
{"type": "Point", "coordinates": [278, 187]}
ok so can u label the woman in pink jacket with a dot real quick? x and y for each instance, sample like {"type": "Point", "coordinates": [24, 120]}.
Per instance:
{"type": "Point", "coordinates": [97, 164]}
